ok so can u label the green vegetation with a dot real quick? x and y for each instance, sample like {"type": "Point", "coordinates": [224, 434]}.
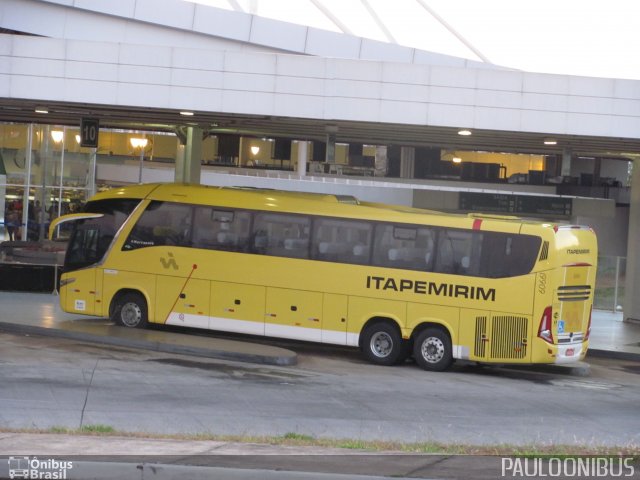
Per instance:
{"type": "Point", "coordinates": [303, 440]}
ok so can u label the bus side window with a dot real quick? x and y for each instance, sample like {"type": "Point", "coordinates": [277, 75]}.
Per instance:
{"type": "Point", "coordinates": [281, 235]}
{"type": "Point", "coordinates": [344, 241]}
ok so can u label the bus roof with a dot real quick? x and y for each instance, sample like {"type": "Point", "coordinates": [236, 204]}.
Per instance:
{"type": "Point", "coordinates": [308, 203]}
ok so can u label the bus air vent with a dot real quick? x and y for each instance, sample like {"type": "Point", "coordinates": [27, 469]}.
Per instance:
{"type": "Point", "coordinates": [481, 337]}
{"type": "Point", "coordinates": [574, 293]}
{"type": "Point", "coordinates": [544, 254]}
{"type": "Point", "coordinates": [509, 337]}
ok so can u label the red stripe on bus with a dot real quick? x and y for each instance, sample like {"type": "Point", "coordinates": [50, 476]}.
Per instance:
{"type": "Point", "coordinates": [476, 223]}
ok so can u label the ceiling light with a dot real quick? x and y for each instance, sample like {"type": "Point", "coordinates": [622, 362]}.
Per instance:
{"type": "Point", "coordinates": [550, 141]}
{"type": "Point", "coordinates": [464, 132]}
{"type": "Point", "coordinates": [41, 110]}
{"type": "Point", "coordinates": [77, 138]}
{"type": "Point", "coordinates": [57, 135]}
{"type": "Point", "coordinates": [456, 160]}
{"type": "Point", "coordinates": [138, 142]}
{"type": "Point", "coordinates": [185, 113]}
{"type": "Point", "coordinates": [255, 149]}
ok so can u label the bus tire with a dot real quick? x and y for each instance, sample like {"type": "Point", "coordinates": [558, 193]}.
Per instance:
{"type": "Point", "coordinates": [130, 310]}
{"type": "Point", "coordinates": [382, 344]}
{"type": "Point", "coordinates": [432, 350]}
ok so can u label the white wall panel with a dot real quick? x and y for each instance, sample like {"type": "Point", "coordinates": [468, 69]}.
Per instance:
{"type": "Point", "coordinates": [90, 91]}
{"type": "Point", "coordinates": [499, 80]}
{"type": "Point", "coordinates": [282, 35]}
{"type": "Point", "coordinates": [306, 87]}
{"type": "Point", "coordinates": [352, 108]}
{"type": "Point", "coordinates": [5, 85]}
{"type": "Point", "coordinates": [585, 86]}
{"type": "Point", "coordinates": [172, 13]}
{"type": "Point", "coordinates": [452, 96]}
{"type": "Point", "coordinates": [386, 52]}
{"type": "Point", "coordinates": [300, 105]}
{"type": "Point", "coordinates": [19, 14]}
{"type": "Point", "coordinates": [544, 83]}
{"type": "Point", "coordinates": [543, 121]}
{"type": "Point", "coordinates": [204, 79]}
{"type": "Point", "coordinates": [250, 63]}
{"type": "Point", "coordinates": [401, 73]}
{"type": "Point", "coordinates": [144, 95]}
{"type": "Point", "coordinates": [222, 23]}
{"type": "Point", "coordinates": [403, 92]}
{"type": "Point", "coordinates": [189, 58]}
{"type": "Point", "coordinates": [144, 74]}
{"type": "Point", "coordinates": [542, 101]}
{"type": "Point", "coordinates": [98, 52]}
{"type": "Point", "coordinates": [40, 67]}
{"type": "Point", "coordinates": [497, 118]}
{"type": "Point", "coordinates": [589, 124]}
{"type": "Point", "coordinates": [42, 88]}
{"type": "Point", "coordinates": [145, 55]}
{"type": "Point", "coordinates": [121, 8]}
{"type": "Point", "coordinates": [91, 27]}
{"type": "Point", "coordinates": [626, 107]}
{"type": "Point", "coordinates": [420, 57]}
{"type": "Point", "coordinates": [248, 102]}
{"type": "Point", "coordinates": [301, 66]}
{"type": "Point", "coordinates": [597, 105]}
{"type": "Point", "coordinates": [34, 47]}
{"type": "Point", "coordinates": [332, 44]}
{"type": "Point", "coordinates": [354, 70]}
{"type": "Point", "coordinates": [410, 113]}
{"type": "Point", "coordinates": [498, 99]}
{"type": "Point", "coordinates": [197, 99]}
{"type": "Point", "coordinates": [249, 82]}
{"type": "Point", "coordinates": [448, 115]}
{"type": "Point", "coordinates": [627, 89]}
{"type": "Point", "coordinates": [453, 77]}
{"type": "Point", "coordinates": [353, 89]}
{"type": "Point", "coordinates": [105, 72]}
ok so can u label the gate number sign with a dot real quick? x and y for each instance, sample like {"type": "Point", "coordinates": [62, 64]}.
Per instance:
{"type": "Point", "coordinates": [89, 129]}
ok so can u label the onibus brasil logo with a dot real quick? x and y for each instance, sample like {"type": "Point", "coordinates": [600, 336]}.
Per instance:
{"type": "Point", "coordinates": [26, 467]}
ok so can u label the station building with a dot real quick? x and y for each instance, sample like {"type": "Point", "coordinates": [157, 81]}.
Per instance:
{"type": "Point", "coordinates": [96, 94]}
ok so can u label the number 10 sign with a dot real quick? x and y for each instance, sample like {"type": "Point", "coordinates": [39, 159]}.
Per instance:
{"type": "Point", "coordinates": [89, 129]}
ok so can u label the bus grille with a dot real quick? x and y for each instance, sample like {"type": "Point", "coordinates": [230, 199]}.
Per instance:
{"type": "Point", "coordinates": [481, 335]}
{"type": "Point", "coordinates": [544, 254]}
{"type": "Point", "coordinates": [509, 337]}
{"type": "Point", "coordinates": [574, 293]}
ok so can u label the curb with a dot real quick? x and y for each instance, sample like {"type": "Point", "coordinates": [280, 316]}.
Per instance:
{"type": "Point", "coordinates": [282, 358]}
{"type": "Point", "coordinates": [615, 354]}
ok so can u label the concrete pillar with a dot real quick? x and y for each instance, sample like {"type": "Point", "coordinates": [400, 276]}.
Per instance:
{"type": "Point", "coordinates": [565, 171]}
{"type": "Point", "coordinates": [189, 157]}
{"type": "Point", "coordinates": [632, 284]}
{"type": "Point", "coordinates": [303, 155]}
{"type": "Point", "coordinates": [407, 162]}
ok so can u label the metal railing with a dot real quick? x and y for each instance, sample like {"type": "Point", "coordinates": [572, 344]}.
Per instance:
{"type": "Point", "coordinates": [610, 283]}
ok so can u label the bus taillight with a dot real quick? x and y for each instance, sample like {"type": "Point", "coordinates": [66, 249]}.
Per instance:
{"type": "Point", "coordinates": [588, 334]}
{"type": "Point", "coordinates": [544, 331]}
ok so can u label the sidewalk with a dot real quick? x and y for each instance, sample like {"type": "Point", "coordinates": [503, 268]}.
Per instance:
{"type": "Point", "coordinates": [40, 314]}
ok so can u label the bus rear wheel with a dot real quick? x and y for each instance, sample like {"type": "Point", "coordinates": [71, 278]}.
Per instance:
{"type": "Point", "coordinates": [382, 344]}
{"type": "Point", "coordinates": [432, 350]}
{"type": "Point", "coordinates": [130, 310]}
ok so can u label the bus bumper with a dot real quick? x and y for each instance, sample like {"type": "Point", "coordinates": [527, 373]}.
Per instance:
{"type": "Point", "coordinates": [571, 353]}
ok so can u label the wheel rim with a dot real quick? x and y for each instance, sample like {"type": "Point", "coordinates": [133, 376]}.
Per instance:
{"type": "Point", "coordinates": [381, 344]}
{"type": "Point", "coordinates": [131, 314]}
{"type": "Point", "coordinates": [433, 349]}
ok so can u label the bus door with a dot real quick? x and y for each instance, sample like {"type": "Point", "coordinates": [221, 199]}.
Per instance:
{"type": "Point", "coordinates": [293, 314]}
{"type": "Point", "coordinates": [495, 336]}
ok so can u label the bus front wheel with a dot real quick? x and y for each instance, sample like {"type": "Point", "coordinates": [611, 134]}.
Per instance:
{"type": "Point", "coordinates": [382, 344]}
{"type": "Point", "coordinates": [432, 350]}
{"type": "Point", "coordinates": [130, 310]}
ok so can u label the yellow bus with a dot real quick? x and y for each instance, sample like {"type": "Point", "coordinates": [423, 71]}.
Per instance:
{"type": "Point", "coordinates": [393, 281]}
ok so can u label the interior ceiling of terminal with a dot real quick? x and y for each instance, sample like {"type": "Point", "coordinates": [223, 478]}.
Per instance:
{"type": "Point", "coordinates": [23, 111]}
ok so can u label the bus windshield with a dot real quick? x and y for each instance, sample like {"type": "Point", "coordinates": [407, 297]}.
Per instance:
{"type": "Point", "coordinates": [91, 237]}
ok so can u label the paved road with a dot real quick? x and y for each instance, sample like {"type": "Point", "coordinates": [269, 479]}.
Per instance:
{"type": "Point", "coordinates": [47, 382]}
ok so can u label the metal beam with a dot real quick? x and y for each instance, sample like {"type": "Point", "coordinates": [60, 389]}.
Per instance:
{"type": "Point", "coordinates": [379, 21]}
{"type": "Point", "coordinates": [329, 14]}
